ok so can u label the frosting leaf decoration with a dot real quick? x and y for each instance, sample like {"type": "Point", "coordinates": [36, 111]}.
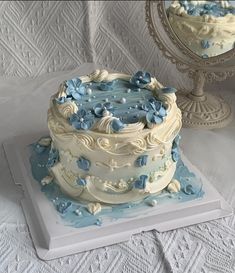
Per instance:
{"type": "Point", "coordinates": [141, 161]}
{"type": "Point", "coordinates": [168, 90]}
{"type": "Point", "coordinates": [205, 44]}
{"type": "Point", "coordinates": [117, 125]}
{"type": "Point", "coordinates": [140, 183]}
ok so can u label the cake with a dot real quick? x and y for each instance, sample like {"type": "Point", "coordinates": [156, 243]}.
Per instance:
{"type": "Point", "coordinates": [205, 27]}
{"type": "Point", "coordinates": [114, 137]}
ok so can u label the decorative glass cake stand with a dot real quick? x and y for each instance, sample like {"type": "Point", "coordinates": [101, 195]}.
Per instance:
{"type": "Point", "coordinates": [56, 233]}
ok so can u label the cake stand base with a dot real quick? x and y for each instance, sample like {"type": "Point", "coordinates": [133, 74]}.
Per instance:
{"type": "Point", "coordinates": [205, 111]}
{"type": "Point", "coordinates": [53, 239]}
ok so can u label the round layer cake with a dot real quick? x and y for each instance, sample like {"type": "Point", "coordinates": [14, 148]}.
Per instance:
{"type": "Point", "coordinates": [206, 27]}
{"type": "Point", "coordinates": [114, 136]}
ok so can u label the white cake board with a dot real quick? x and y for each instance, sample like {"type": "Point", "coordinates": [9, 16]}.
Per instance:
{"type": "Point", "coordinates": [53, 239]}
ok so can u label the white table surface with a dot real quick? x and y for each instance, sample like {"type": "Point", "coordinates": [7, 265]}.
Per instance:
{"type": "Point", "coordinates": [203, 248]}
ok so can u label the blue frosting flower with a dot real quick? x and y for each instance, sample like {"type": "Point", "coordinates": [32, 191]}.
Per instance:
{"type": "Point", "coordinates": [157, 114]}
{"type": "Point", "coordinates": [140, 183]}
{"type": "Point", "coordinates": [53, 158]}
{"type": "Point", "coordinates": [62, 100]}
{"type": "Point", "coordinates": [81, 182]}
{"type": "Point", "coordinates": [83, 163]}
{"type": "Point", "coordinates": [82, 120]}
{"type": "Point", "coordinates": [141, 79]}
{"type": "Point", "coordinates": [99, 108]}
{"type": "Point", "coordinates": [205, 44]}
{"type": "Point", "coordinates": [141, 161]}
{"type": "Point", "coordinates": [175, 149]}
{"type": "Point", "coordinates": [156, 111]}
{"type": "Point", "coordinates": [106, 86]}
{"type": "Point", "coordinates": [75, 89]}
{"type": "Point", "coordinates": [117, 125]}
{"type": "Point", "coordinates": [63, 206]}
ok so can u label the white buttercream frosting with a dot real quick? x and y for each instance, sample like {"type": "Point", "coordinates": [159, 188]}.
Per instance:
{"type": "Point", "coordinates": [113, 155]}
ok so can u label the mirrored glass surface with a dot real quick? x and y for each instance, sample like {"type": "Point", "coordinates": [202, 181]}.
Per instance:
{"type": "Point", "coordinates": [206, 27]}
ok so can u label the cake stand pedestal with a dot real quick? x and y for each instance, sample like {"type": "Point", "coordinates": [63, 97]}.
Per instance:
{"type": "Point", "coordinates": [201, 109]}
{"type": "Point", "coordinates": [53, 239]}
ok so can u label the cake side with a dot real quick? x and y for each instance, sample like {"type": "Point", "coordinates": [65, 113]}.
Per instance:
{"type": "Point", "coordinates": [114, 161]}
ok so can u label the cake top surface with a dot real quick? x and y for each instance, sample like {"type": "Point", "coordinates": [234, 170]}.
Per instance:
{"type": "Point", "coordinates": [115, 103]}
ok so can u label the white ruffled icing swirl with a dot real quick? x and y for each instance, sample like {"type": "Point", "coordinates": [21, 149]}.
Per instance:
{"type": "Point", "coordinates": [67, 109]}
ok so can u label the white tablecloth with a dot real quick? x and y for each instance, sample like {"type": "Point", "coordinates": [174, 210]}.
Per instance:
{"type": "Point", "coordinates": [203, 248]}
